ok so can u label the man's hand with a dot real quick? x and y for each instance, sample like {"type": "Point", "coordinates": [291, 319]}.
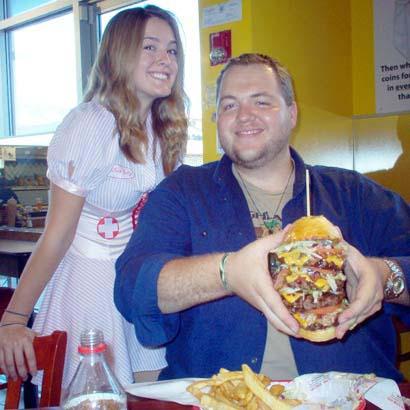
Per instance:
{"type": "Point", "coordinates": [364, 286]}
{"type": "Point", "coordinates": [16, 349]}
{"type": "Point", "coordinates": [248, 277]}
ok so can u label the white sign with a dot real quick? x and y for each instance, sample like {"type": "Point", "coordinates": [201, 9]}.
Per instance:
{"type": "Point", "coordinates": [392, 55]}
{"type": "Point", "coordinates": [222, 13]}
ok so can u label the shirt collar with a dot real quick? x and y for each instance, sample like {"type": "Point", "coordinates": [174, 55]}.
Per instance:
{"type": "Point", "coordinates": [223, 173]}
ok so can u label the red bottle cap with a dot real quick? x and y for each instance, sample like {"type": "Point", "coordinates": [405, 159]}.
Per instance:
{"type": "Point", "coordinates": [101, 347]}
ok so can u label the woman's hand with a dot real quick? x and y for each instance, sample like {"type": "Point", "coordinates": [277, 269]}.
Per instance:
{"type": "Point", "coordinates": [17, 357]}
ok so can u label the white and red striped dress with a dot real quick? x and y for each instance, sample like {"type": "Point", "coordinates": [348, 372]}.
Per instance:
{"type": "Point", "coordinates": [84, 159]}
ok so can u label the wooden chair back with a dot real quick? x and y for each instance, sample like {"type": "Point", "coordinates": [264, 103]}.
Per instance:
{"type": "Point", "coordinates": [50, 355]}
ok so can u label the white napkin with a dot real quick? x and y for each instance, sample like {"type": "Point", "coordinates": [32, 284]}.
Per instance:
{"type": "Point", "coordinates": [385, 394]}
{"type": "Point", "coordinates": [168, 390]}
{"type": "Point", "coordinates": [346, 387]}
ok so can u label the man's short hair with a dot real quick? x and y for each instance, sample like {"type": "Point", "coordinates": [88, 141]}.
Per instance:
{"type": "Point", "coordinates": [282, 74]}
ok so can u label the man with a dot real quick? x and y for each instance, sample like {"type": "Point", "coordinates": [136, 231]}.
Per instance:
{"type": "Point", "coordinates": [193, 277]}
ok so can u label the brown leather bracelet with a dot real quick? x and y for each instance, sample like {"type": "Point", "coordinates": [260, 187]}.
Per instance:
{"type": "Point", "coordinates": [12, 312]}
{"type": "Point", "coordinates": [13, 323]}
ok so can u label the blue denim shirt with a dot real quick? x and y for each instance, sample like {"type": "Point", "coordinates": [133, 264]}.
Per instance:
{"type": "Point", "coordinates": [200, 210]}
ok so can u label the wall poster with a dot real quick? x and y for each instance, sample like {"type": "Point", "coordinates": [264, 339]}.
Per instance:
{"type": "Point", "coordinates": [392, 55]}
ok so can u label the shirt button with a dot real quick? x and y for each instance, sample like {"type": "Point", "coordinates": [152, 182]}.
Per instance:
{"type": "Point", "coordinates": [204, 233]}
{"type": "Point", "coordinates": [254, 360]}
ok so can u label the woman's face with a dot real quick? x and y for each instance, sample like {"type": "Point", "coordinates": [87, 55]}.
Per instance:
{"type": "Point", "coordinates": [157, 65]}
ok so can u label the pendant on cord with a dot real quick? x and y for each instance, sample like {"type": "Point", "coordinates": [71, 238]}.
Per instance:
{"type": "Point", "coordinates": [272, 225]}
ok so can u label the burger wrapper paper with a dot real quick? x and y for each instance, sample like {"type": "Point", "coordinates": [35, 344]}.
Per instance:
{"type": "Point", "coordinates": [167, 390]}
{"type": "Point", "coordinates": [344, 391]}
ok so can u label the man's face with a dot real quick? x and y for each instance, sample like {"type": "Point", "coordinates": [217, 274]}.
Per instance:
{"type": "Point", "coordinates": [254, 123]}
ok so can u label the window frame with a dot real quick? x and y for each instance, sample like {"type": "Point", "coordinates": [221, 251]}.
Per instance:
{"type": "Point", "coordinates": [86, 37]}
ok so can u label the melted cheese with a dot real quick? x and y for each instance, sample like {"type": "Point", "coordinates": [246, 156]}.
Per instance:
{"type": "Point", "coordinates": [295, 257]}
{"type": "Point", "coordinates": [291, 297]}
{"type": "Point", "coordinates": [300, 319]}
{"type": "Point", "coordinates": [337, 260]}
{"type": "Point", "coordinates": [322, 283]}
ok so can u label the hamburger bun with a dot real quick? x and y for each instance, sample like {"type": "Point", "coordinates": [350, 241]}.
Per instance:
{"type": "Point", "coordinates": [312, 227]}
{"type": "Point", "coordinates": [322, 335]}
{"type": "Point", "coordinates": [307, 272]}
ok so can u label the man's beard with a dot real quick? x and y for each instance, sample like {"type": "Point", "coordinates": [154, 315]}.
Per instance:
{"type": "Point", "coordinates": [254, 161]}
{"type": "Point", "coordinates": [257, 158]}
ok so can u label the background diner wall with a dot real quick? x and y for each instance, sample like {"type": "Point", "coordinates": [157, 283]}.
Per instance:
{"type": "Point", "coordinates": [382, 143]}
{"type": "Point", "coordinates": [328, 48]}
{"type": "Point", "coordinates": [239, 30]}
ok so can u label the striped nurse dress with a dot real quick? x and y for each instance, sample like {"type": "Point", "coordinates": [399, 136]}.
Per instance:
{"type": "Point", "coordinates": [84, 159]}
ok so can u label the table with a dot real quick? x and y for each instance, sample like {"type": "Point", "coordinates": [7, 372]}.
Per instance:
{"type": "Point", "coordinates": [13, 256]}
{"type": "Point", "coordinates": [139, 403]}
{"type": "Point", "coordinates": [136, 403]}
{"type": "Point", "coordinates": [20, 234]}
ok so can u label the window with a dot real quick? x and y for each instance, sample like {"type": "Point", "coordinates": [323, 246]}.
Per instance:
{"type": "Point", "coordinates": [43, 74]}
{"type": "Point", "coordinates": [14, 7]}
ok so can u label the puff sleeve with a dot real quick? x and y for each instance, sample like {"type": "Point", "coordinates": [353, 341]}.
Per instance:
{"type": "Point", "coordinates": [79, 153]}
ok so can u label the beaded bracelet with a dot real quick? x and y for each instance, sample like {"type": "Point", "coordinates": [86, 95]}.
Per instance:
{"type": "Point", "coordinates": [12, 312]}
{"type": "Point", "coordinates": [222, 272]}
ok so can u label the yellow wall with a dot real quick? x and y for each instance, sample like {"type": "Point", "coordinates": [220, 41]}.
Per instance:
{"type": "Point", "coordinates": [313, 41]}
{"type": "Point", "coordinates": [362, 57]}
{"type": "Point", "coordinates": [241, 32]}
{"type": "Point", "coordinates": [382, 143]}
{"type": "Point", "coordinates": [328, 48]}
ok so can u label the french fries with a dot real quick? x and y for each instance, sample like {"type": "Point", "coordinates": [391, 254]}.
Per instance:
{"type": "Point", "coordinates": [238, 390]}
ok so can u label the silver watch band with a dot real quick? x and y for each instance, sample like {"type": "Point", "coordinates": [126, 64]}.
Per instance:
{"type": "Point", "coordinates": [395, 283]}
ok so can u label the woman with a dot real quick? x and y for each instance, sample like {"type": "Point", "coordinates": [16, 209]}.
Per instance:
{"type": "Point", "coordinates": [105, 157]}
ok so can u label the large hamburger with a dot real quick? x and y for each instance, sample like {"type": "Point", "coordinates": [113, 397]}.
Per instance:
{"type": "Point", "coordinates": [307, 272]}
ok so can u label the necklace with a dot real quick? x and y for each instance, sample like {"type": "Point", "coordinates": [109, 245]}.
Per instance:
{"type": "Point", "coordinates": [273, 224]}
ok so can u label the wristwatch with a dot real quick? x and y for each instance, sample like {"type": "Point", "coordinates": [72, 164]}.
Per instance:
{"type": "Point", "coordinates": [395, 282]}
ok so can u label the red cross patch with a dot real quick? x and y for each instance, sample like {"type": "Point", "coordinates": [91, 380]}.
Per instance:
{"type": "Point", "coordinates": [108, 227]}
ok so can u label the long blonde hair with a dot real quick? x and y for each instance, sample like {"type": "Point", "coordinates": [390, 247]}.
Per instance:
{"type": "Point", "coordinates": [111, 82]}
